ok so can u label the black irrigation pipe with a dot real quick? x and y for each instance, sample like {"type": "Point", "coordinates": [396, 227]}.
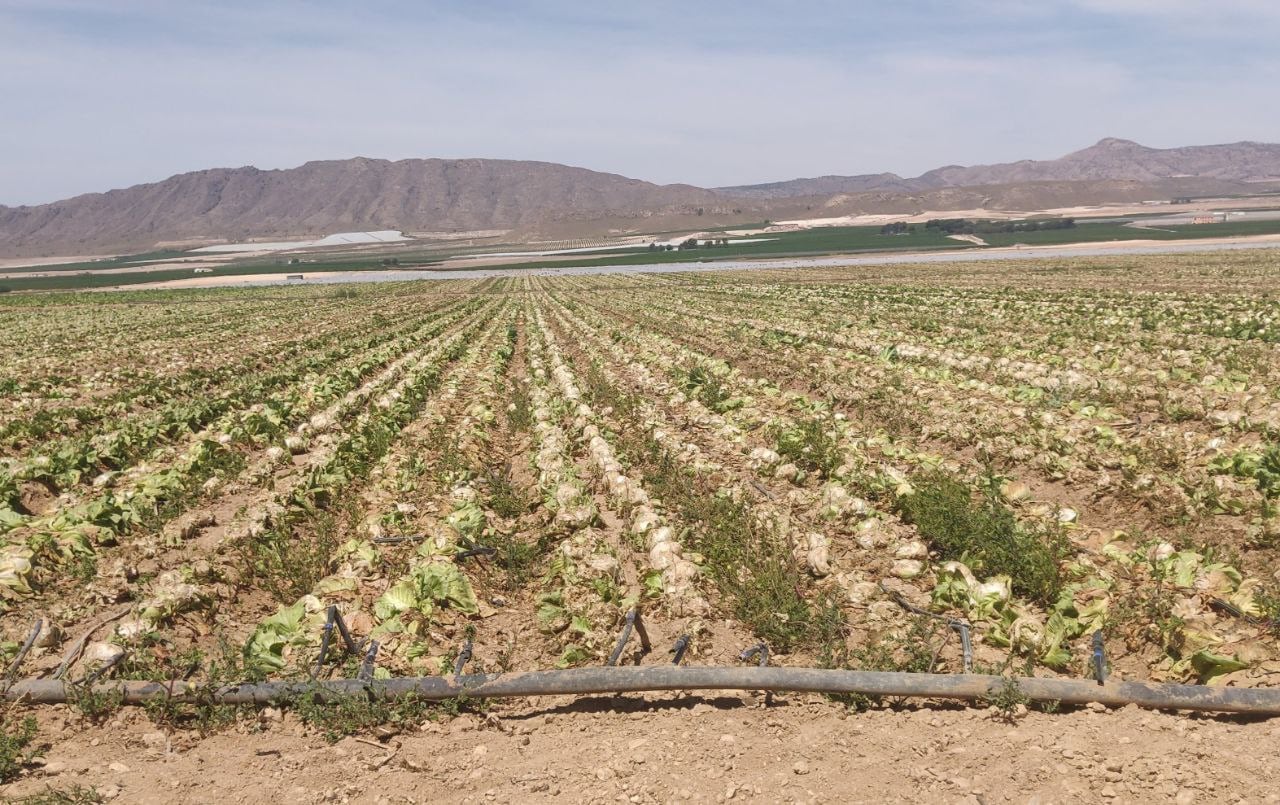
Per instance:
{"type": "Point", "coordinates": [638, 679]}
{"type": "Point", "coordinates": [479, 550]}
{"type": "Point", "coordinates": [760, 651]}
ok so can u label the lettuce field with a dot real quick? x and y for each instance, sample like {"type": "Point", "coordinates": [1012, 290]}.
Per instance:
{"type": "Point", "coordinates": [838, 464]}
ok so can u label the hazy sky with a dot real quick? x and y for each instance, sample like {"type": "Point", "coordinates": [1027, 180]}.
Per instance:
{"type": "Point", "coordinates": [99, 94]}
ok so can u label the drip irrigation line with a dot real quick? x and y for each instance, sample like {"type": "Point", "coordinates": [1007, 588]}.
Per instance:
{"type": "Point", "coordinates": [89, 679]}
{"type": "Point", "coordinates": [333, 619]}
{"type": "Point", "coordinates": [759, 650]}
{"type": "Point", "coordinates": [398, 538]}
{"type": "Point", "coordinates": [960, 626]}
{"type": "Point", "coordinates": [633, 621]}
{"type": "Point", "coordinates": [344, 632]}
{"type": "Point", "coordinates": [966, 645]}
{"type": "Point", "coordinates": [681, 646]}
{"type": "Point", "coordinates": [463, 657]}
{"type": "Point", "coordinates": [22, 652]}
{"type": "Point", "coordinates": [1099, 658]}
{"type": "Point", "coordinates": [73, 652]}
{"type": "Point", "coordinates": [1235, 612]}
{"type": "Point", "coordinates": [325, 636]}
{"type": "Point", "coordinates": [639, 679]}
{"type": "Point", "coordinates": [901, 600]}
{"type": "Point", "coordinates": [946, 638]}
{"type": "Point", "coordinates": [367, 665]}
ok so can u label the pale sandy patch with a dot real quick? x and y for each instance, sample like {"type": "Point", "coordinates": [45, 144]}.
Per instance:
{"type": "Point", "coordinates": [223, 280]}
{"type": "Point", "coordinates": [336, 239]}
{"type": "Point", "coordinates": [136, 269]}
{"type": "Point", "coordinates": [36, 262]}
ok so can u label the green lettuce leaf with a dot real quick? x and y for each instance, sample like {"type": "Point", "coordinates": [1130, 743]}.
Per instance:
{"type": "Point", "coordinates": [1209, 665]}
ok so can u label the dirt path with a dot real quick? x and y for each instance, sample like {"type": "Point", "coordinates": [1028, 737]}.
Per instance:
{"type": "Point", "coordinates": [678, 748]}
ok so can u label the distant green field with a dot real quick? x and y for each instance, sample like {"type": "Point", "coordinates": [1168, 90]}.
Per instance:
{"type": "Point", "coordinates": [76, 281]}
{"type": "Point", "coordinates": [829, 240]}
{"type": "Point", "coordinates": [123, 261]}
{"type": "Point", "coordinates": [847, 238]}
{"type": "Point", "coordinates": [1083, 233]}
{"type": "Point", "coordinates": [1230, 229]}
{"type": "Point", "coordinates": [1088, 233]}
{"type": "Point", "coordinates": [809, 242]}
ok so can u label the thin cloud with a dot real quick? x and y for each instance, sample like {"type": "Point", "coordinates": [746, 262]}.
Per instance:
{"type": "Point", "coordinates": [102, 95]}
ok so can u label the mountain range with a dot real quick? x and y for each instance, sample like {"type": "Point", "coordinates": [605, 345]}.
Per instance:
{"type": "Point", "coordinates": [531, 200]}
{"type": "Point", "coordinates": [1109, 159]}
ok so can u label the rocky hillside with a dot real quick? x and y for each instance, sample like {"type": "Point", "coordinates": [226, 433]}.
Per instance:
{"type": "Point", "coordinates": [1113, 159]}
{"type": "Point", "coordinates": [1108, 160]}
{"type": "Point", "coordinates": [414, 195]}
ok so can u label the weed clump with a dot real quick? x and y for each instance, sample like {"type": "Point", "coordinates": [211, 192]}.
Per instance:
{"type": "Point", "coordinates": [810, 445]}
{"type": "Point", "coordinates": [748, 561]}
{"type": "Point", "coordinates": [910, 652]}
{"type": "Point", "coordinates": [1009, 699]}
{"type": "Point", "coordinates": [15, 747]}
{"type": "Point", "coordinates": [75, 795]}
{"type": "Point", "coordinates": [93, 706]}
{"type": "Point", "coordinates": [985, 534]}
{"type": "Point", "coordinates": [289, 558]}
{"type": "Point", "coordinates": [339, 716]}
{"type": "Point", "coordinates": [520, 409]}
{"type": "Point", "coordinates": [704, 385]}
{"type": "Point", "coordinates": [157, 661]}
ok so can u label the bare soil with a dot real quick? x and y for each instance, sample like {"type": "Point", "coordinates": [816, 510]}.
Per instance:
{"type": "Point", "coordinates": [665, 748]}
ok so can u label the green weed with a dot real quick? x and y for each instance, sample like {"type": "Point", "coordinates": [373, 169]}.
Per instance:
{"type": "Point", "coordinates": [75, 795]}
{"type": "Point", "coordinates": [911, 652]}
{"type": "Point", "coordinates": [810, 445]}
{"type": "Point", "coordinates": [15, 747]}
{"type": "Point", "coordinates": [520, 412]}
{"type": "Point", "coordinates": [703, 385]}
{"type": "Point", "coordinates": [1008, 698]}
{"type": "Point", "coordinates": [504, 498]}
{"type": "Point", "coordinates": [290, 557]}
{"type": "Point", "coordinates": [339, 716]}
{"type": "Point", "coordinates": [749, 563]}
{"type": "Point", "coordinates": [95, 707]}
{"type": "Point", "coordinates": [986, 535]}
{"type": "Point", "coordinates": [197, 710]}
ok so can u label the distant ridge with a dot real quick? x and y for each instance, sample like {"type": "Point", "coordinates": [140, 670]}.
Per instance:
{"type": "Point", "coordinates": [318, 198]}
{"type": "Point", "coordinates": [1110, 159]}
{"type": "Point", "coordinates": [541, 199]}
